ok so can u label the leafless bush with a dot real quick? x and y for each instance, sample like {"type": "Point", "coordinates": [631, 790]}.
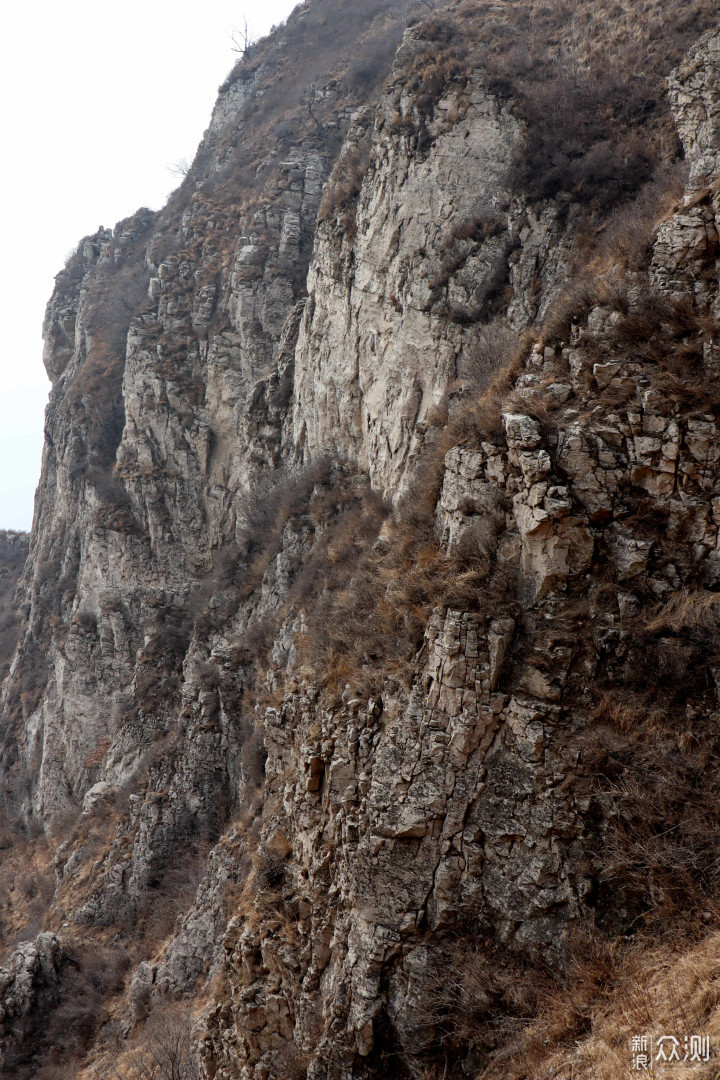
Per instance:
{"type": "Point", "coordinates": [480, 225]}
{"type": "Point", "coordinates": [290, 1062]}
{"type": "Point", "coordinates": [343, 188]}
{"type": "Point", "coordinates": [588, 85]}
{"type": "Point", "coordinates": [657, 858]}
{"type": "Point", "coordinates": [492, 347]}
{"type": "Point", "coordinates": [625, 239]}
{"type": "Point", "coordinates": [270, 869]}
{"type": "Point", "coordinates": [576, 142]}
{"type": "Point", "coordinates": [166, 1049]}
{"type": "Point", "coordinates": [56, 1034]}
{"type": "Point", "coordinates": [444, 61]}
{"type": "Point", "coordinates": [85, 621]}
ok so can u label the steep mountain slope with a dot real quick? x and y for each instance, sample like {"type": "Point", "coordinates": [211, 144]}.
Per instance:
{"type": "Point", "coordinates": [375, 559]}
{"type": "Point", "coordinates": [13, 553]}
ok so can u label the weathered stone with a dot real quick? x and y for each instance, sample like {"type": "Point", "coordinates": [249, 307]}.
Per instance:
{"type": "Point", "coordinates": [456, 795]}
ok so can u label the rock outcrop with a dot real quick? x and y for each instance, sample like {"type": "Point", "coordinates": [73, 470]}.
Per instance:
{"type": "Point", "coordinates": [467, 806]}
{"type": "Point", "coordinates": [13, 553]}
{"type": "Point", "coordinates": [348, 341]}
{"type": "Point", "coordinates": [28, 990]}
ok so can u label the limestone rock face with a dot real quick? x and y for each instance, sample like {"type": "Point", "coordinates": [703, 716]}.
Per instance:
{"type": "Point", "coordinates": [689, 239]}
{"type": "Point", "coordinates": [244, 384]}
{"type": "Point", "coordinates": [154, 437]}
{"type": "Point", "coordinates": [439, 808]}
{"type": "Point", "coordinates": [467, 800]}
{"type": "Point", "coordinates": [180, 394]}
{"type": "Point", "coordinates": [373, 357]}
{"type": "Point", "coordinates": [13, 553]}
{"type": "Point", "coordinates": [28, 983]}
{"type": "Point", "coordinates": [395, 300]}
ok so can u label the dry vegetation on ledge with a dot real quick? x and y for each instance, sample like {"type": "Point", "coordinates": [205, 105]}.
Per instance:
{"type": "Point", "coordinates": [586, 79]}
{"type": "Point", "coordinates": [653, 967]}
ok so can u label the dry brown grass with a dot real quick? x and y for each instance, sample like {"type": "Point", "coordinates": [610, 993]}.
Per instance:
{"type": "Point", "coordinates": [695, 612]}
{"type": "Point", "coordinates": [445, 59]}
{"type": "Point", "coordinates": [372, 615]}
{"type": "Point", "coordinates": [657, 792]}
{"type": "Point", "coordinates": [642, 990]}
{"type": "Point", "coordinates": [341, 193]}
{"type": "Point", "coordinates": [27, 885]}
{"type": "Point", "coordinates": [588, 79]}
{"type": "Point", "coordinates": [575, 1020]}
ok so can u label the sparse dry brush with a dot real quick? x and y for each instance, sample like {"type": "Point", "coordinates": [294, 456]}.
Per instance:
{"type": "Point", "coordinates": [27, 886]}
{"type": "Point", "coordinates": [337, 513]}
{"type": "Point", "coordinates": [52, 1039]}
{"type": "Point", "coordinates": [164, 1047]}
{"type": "Point", "coordinates": [588, 81]}
{"type": "Point", "coordinates": [502, 1018]}
{"type": "Point", "coordinates": [586, 1029]}
{"type": "Point", "coordinates": [443, 63]}
{"type": "Point", "coordinates": [341, 192]}
{"type": "Point", "coordinates": [371, 616]}
{"type": "Point", "coordinates": [651, 742]}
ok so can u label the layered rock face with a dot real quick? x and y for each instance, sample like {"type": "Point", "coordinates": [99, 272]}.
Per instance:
{"type": "Point", "coordinates": [392, 312]}
{"type": "Point", "coordinates": [249, 415]}
{"type": "Point", "coordinates": [13, 553]}
{"type": "Point", "coordinates": [175, 405]}
{"type": "Point", "coordinates": [470, 800]}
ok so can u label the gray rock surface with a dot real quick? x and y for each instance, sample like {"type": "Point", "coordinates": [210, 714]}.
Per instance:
{"type": "Point", "coordinates": [397, 302]}
{"type": "Point", "coordinates": [28, 983]}
{"type": "Point", "coordinates": [305, 861]}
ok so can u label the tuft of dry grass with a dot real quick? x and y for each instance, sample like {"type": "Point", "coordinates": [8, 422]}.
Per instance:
{"type": "Point", "coordinates": [27, 885]}
{"type": "Point", "coordinates": [577, 1020]}
{"type": "Point", "coordinates": [692, 612]}
{"type": "Point", "coordinates": [643, 990]}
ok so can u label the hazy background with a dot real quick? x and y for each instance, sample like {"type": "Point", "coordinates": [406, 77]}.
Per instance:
{"type": "Point", "coordinates": [98, 103]}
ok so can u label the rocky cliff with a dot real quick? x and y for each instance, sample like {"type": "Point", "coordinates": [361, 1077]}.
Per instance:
{"type": "Point", "coordinates": [362, 719]}
{"type": "Point", "coordinates": [13, 554]}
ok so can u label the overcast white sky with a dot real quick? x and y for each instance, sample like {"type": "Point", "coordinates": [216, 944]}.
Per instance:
{"type": "Point", "coordinates": [98, 102]}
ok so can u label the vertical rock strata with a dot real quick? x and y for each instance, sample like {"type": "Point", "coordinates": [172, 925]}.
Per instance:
{"type": "Point", "coordinates": [233, 378]}
{"type": "Point", "coordinates": [13, 553]}
{"type": "Point", "coordinates": [466, 808]}
{"type": "Point", "coordinates": [395, 299]}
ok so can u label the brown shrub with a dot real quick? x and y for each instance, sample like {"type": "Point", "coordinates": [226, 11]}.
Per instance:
{"type": "Point", "coordinates": [444, 60]}
{"type": "Point", "coordinates": [342, 190]}
{"type": "Point", "coordinates": [270, 869]}
{"type": "Point", "coordinates": [370, 620]}
{"type": "Point", "coordinates": [480, 226]}
{"type": "Point", "coordinates": [492, 348]}
{"type": "Point", "coordinates": [56, 1033]}
{"type": "Point", "coordinates": [164, 1048]}
{"type": "Point", "coordinates": [588, 80]}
